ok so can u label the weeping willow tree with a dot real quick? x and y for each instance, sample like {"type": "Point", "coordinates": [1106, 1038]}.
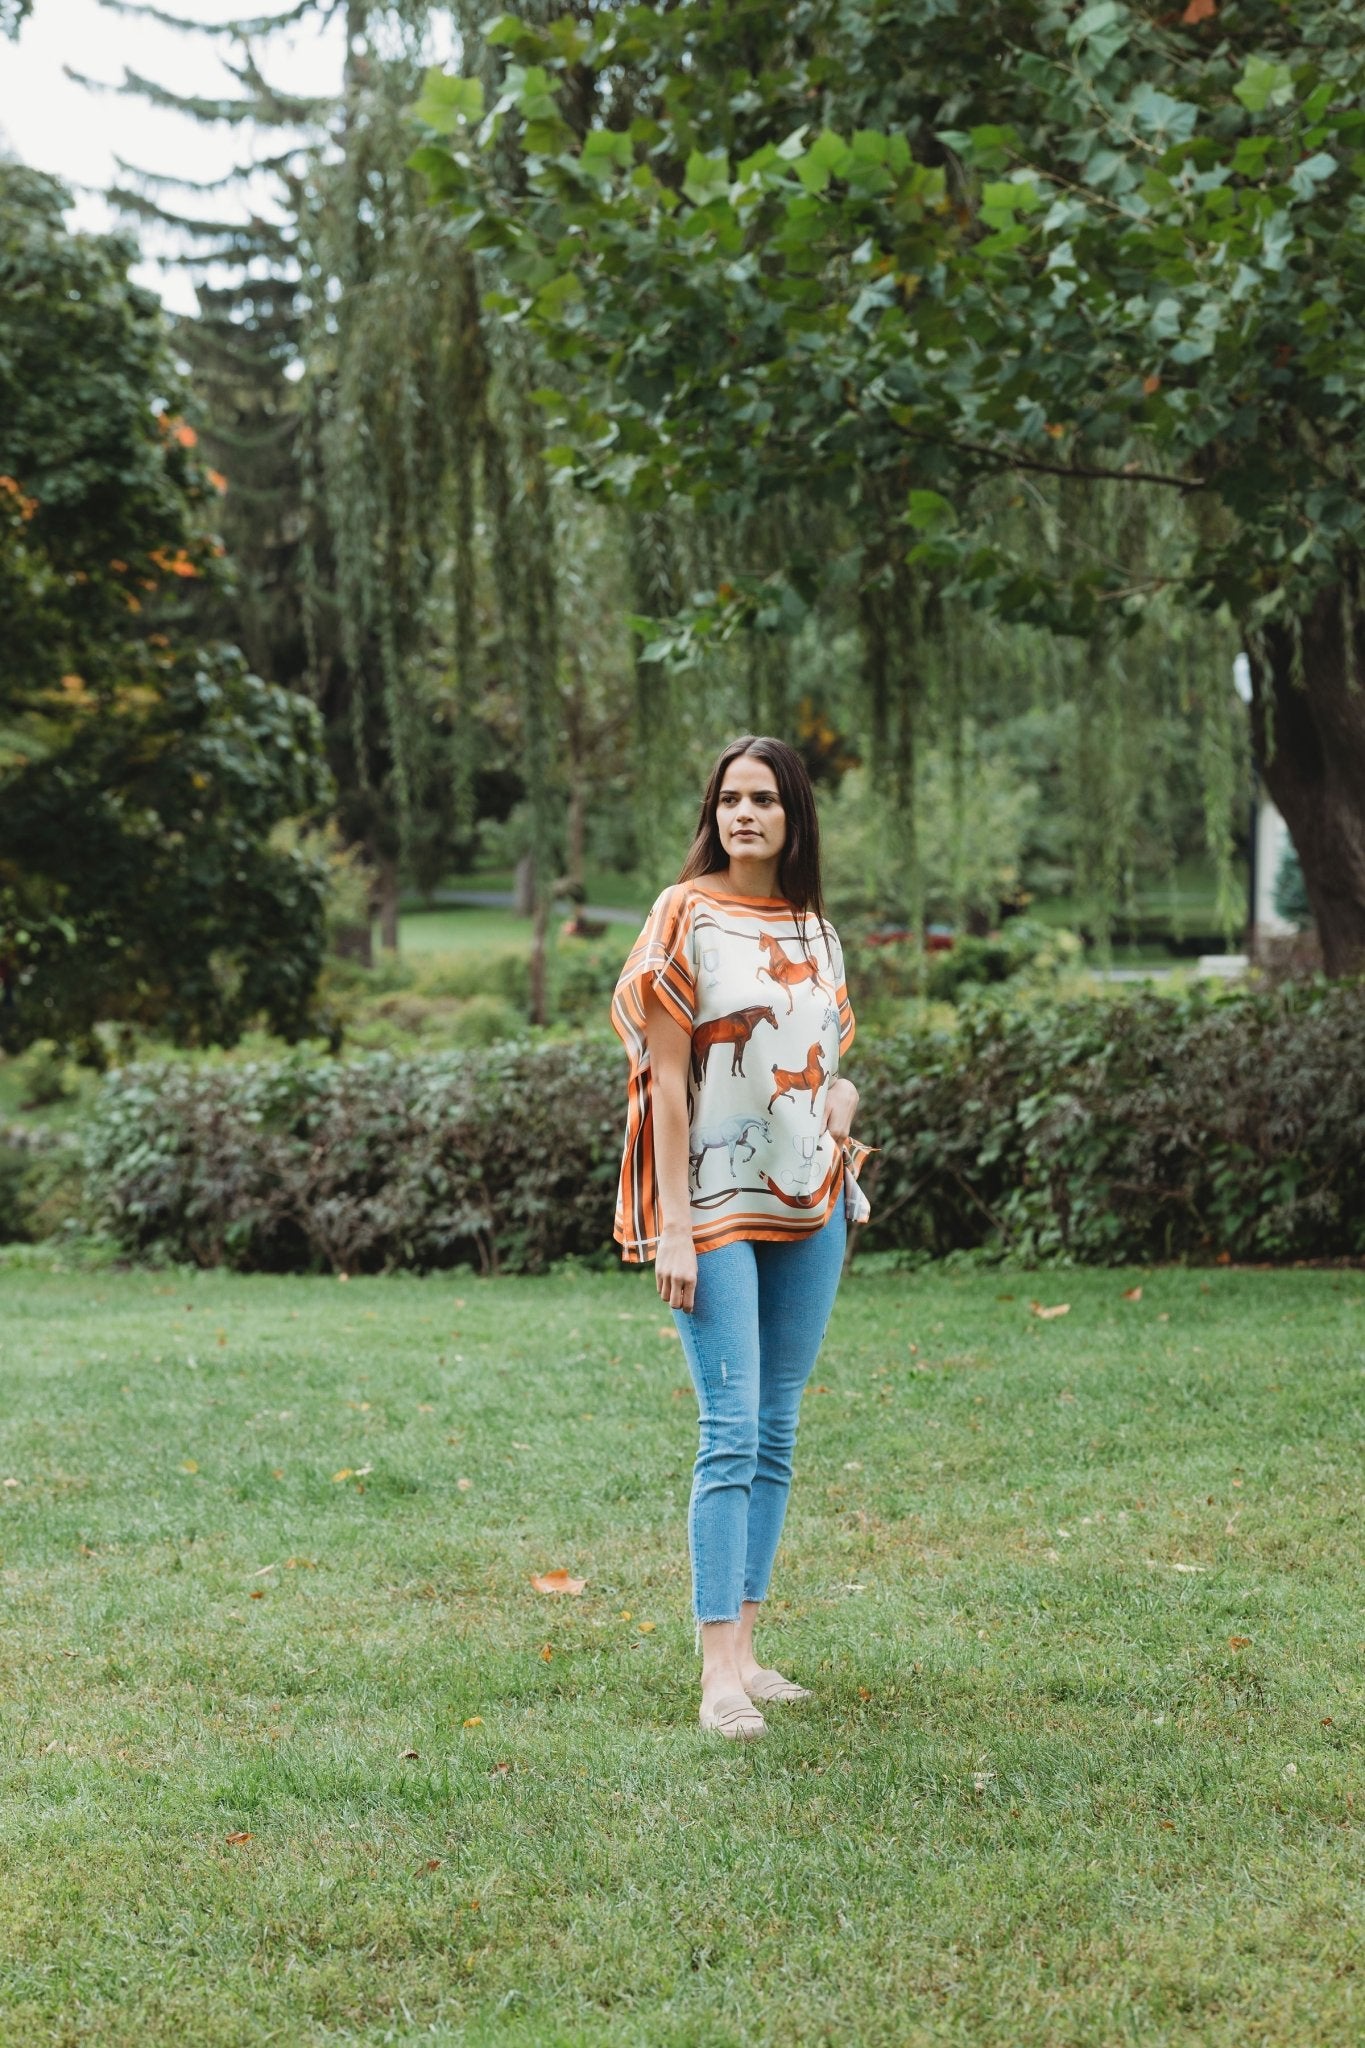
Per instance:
{"type": "Point", "coordinates": [381, 449]}
{"type": "Point", "coordinates": [959, 249]}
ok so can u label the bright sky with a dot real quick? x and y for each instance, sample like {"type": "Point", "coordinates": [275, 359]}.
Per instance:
{"type": "Point", "coordinates": [52, 123]}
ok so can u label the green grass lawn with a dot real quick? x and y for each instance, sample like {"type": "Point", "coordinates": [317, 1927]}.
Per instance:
{"type": "Point", "coordinates": [604, 885]}
{"type": "Point", "coordinates": [294, 1753]}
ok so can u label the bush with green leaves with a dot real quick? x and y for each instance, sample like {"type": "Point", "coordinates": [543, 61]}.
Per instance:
{"type": "Point", "coordinates": [1111, 1130]}
{"type": "Point", "coordinates": [887, 977]}
{"type": "Point", "coordinates": [1144, 1128]}
{"type": "Point", "coordinates": [504, 1158]}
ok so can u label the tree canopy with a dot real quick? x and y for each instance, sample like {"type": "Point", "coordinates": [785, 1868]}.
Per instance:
{"type": "Point", "coordinates": [148, 783]}
{"type": "Point", "coordinates": [906, 258]}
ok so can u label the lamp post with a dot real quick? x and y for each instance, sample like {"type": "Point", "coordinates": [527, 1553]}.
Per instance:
{"type": "Point", "coordinates": [1241, 683]}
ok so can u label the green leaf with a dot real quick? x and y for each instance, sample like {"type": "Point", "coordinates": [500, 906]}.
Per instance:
{"type": "Point", "coordinates": [1101, 31]}
{"type": "Point", "coordinates": [605, 150]}
{"type": "Point", "coordinates": [1157, 113]}
{"type": "Point", "coordinates": [708, 177]}
{"type": "Point", "coordinates": [928, 511]}
{"type": "Point", "coordinates": [553, 297]}
{"type": "Point", "coordinates": [504, 28]}
{"type": "Point", "coordinates": [1264, 84]}
{"type": "Point", "coordinates": [1305, 178]}
{"type": "Point", "coordinates": [447, 100]}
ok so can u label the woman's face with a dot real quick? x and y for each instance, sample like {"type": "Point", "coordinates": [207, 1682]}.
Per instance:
{"type": "Point", "coordinates": [749, 814]}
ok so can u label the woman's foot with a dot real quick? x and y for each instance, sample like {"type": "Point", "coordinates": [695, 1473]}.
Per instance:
{"type": "Point", "coordinates": [733, 1715]}
{"type": "Point", "coordinates": [771, 1685]}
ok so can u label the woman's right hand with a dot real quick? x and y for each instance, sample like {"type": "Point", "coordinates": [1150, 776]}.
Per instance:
{"type": "Point", "coordinates": [675, 1268]}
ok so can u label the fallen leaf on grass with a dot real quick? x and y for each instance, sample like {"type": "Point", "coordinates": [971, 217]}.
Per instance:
{"type": "Point", "coordinates": [546, 1652]}
{"type": "Point", "coordinates": [236, 1840]}
{"type": "Point", "coordinates": [474, 1721]}
{"type": "Point", "coordinates": [257, 1593]}
{"type": "Point", "coordinates": [432, 1863]}
{"type": "Point", "coordinates": [556, 1582]}
{"type": "Point", "coordinates": [501, 1771]}
{"type": "Point", "coordinates": [464, 1484]}
{"type": "Point", "coordinates": [410, 1756]}
{"type": "Point", "coordinates": [1045, 1315]}
{"type": "Point", "coordinates": [646, 1628]}
{"type": "Point", "coordinates": [344, 1473]}
{"type": "Point", "coordinates": [1132, 1294]}
{"type": "Point", "coordinates": [1239, 1642]}
{"type": "Point", "coordinates": [189, 1464]}
{"type": "Point", "coordinates": [1168, 1824]}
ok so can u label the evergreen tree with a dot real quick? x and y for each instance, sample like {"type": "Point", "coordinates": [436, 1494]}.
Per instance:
{"type": "Point", "coordinates": [383, 464]}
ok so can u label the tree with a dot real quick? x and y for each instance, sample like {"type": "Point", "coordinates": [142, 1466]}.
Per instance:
{"type": "Point", "coordinates": [144, 778]}
{"type": "Point", "coordinates": [1071, 302]}
{"type": "Point", "coordinates": [407, 506]}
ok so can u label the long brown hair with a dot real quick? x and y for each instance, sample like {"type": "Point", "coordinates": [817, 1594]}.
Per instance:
{"type": "Point", "coordinates": [798, 867]}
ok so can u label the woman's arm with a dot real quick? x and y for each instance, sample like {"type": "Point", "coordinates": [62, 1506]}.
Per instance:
{"type": "Point", "coordinates": [670, 1049]}
{"type": "Point", "coordinates": [841, 1106]}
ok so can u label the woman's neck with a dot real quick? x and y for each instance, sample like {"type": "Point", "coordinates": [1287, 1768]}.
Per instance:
{"type": "Point", "coordinates": [749, 877]}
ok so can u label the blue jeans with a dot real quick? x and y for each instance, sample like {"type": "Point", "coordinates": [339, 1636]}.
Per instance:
{"type": "Point", "coordinates": [751, 1340]}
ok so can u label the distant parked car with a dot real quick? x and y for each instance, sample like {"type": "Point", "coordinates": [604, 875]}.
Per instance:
{"type": "Point", "coordinates": [938, 938]}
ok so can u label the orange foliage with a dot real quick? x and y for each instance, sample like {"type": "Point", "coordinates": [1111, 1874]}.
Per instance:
{"type": "Point", "coordinates": [177, 564]}
{"type": "Point", "coordinates": [26, 507]}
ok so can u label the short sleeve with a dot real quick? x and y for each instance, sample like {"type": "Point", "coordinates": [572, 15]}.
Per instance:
{"type": "Point", "coordinates": [848, 1023]}
{"type": "Point", "coordinates": [661, 959]}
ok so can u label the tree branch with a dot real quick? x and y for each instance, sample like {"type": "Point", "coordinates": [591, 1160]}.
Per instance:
{"type": "Point", "coordinates": [1009, 458]}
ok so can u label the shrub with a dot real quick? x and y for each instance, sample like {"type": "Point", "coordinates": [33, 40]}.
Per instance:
{"type": "Point", "coordinates": [505, 1158]}
{"type": "Point", "coordinates": [40, 1183]}
{"type": "Point", "coordinates": [1153, 1127]}
{"type": "Point", "coordinates": [1103, 1129]}
{"type": "Point", "coordinates": [883, 977]}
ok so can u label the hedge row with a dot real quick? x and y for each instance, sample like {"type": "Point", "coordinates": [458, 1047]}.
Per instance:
{"type": "Point", "coordinates": [1147, 1127]}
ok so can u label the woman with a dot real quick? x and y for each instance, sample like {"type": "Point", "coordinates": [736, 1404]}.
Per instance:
{"type": "Point", "coordinates": [733, 1010]}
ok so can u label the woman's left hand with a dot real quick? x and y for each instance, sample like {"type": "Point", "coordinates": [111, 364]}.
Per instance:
{"type": "Point", "coordinates": [841, 1106]}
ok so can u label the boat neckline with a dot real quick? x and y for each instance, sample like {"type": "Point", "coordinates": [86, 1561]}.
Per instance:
{"type": "Point", "coordinates": [729, 896]}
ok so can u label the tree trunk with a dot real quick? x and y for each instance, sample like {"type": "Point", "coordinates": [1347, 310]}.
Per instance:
{"type": "Point", "coordinates": [577, 830]}
{"type": "Point", "coordinates": [1309, 738]}
{"type": "Point", "coordinates": [386, 903]}
{"type": "Point", "coordinates": [540, 916]}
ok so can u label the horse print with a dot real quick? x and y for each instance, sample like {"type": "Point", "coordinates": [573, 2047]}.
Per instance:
{"type": "Point", "coordinates": [727, 1136]}
{"type": "Point", "coordinates": [735, 1031]}
{"type": "Point", "coordinates": [786, 972]}
{"type": "Point", "coordinates": [790, 1081]}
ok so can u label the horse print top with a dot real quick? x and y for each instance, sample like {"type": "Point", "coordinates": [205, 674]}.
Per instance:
{"type": "Point", "coordinates": [760, 987]}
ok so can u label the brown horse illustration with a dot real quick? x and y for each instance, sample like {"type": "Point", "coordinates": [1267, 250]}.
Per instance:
{"type": "Point", "coordinates": [785, 971]}
{"type": "Point", "coordinates": [789, 1081]}
{"type": "Point", "coordinates": [735, 1031]}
